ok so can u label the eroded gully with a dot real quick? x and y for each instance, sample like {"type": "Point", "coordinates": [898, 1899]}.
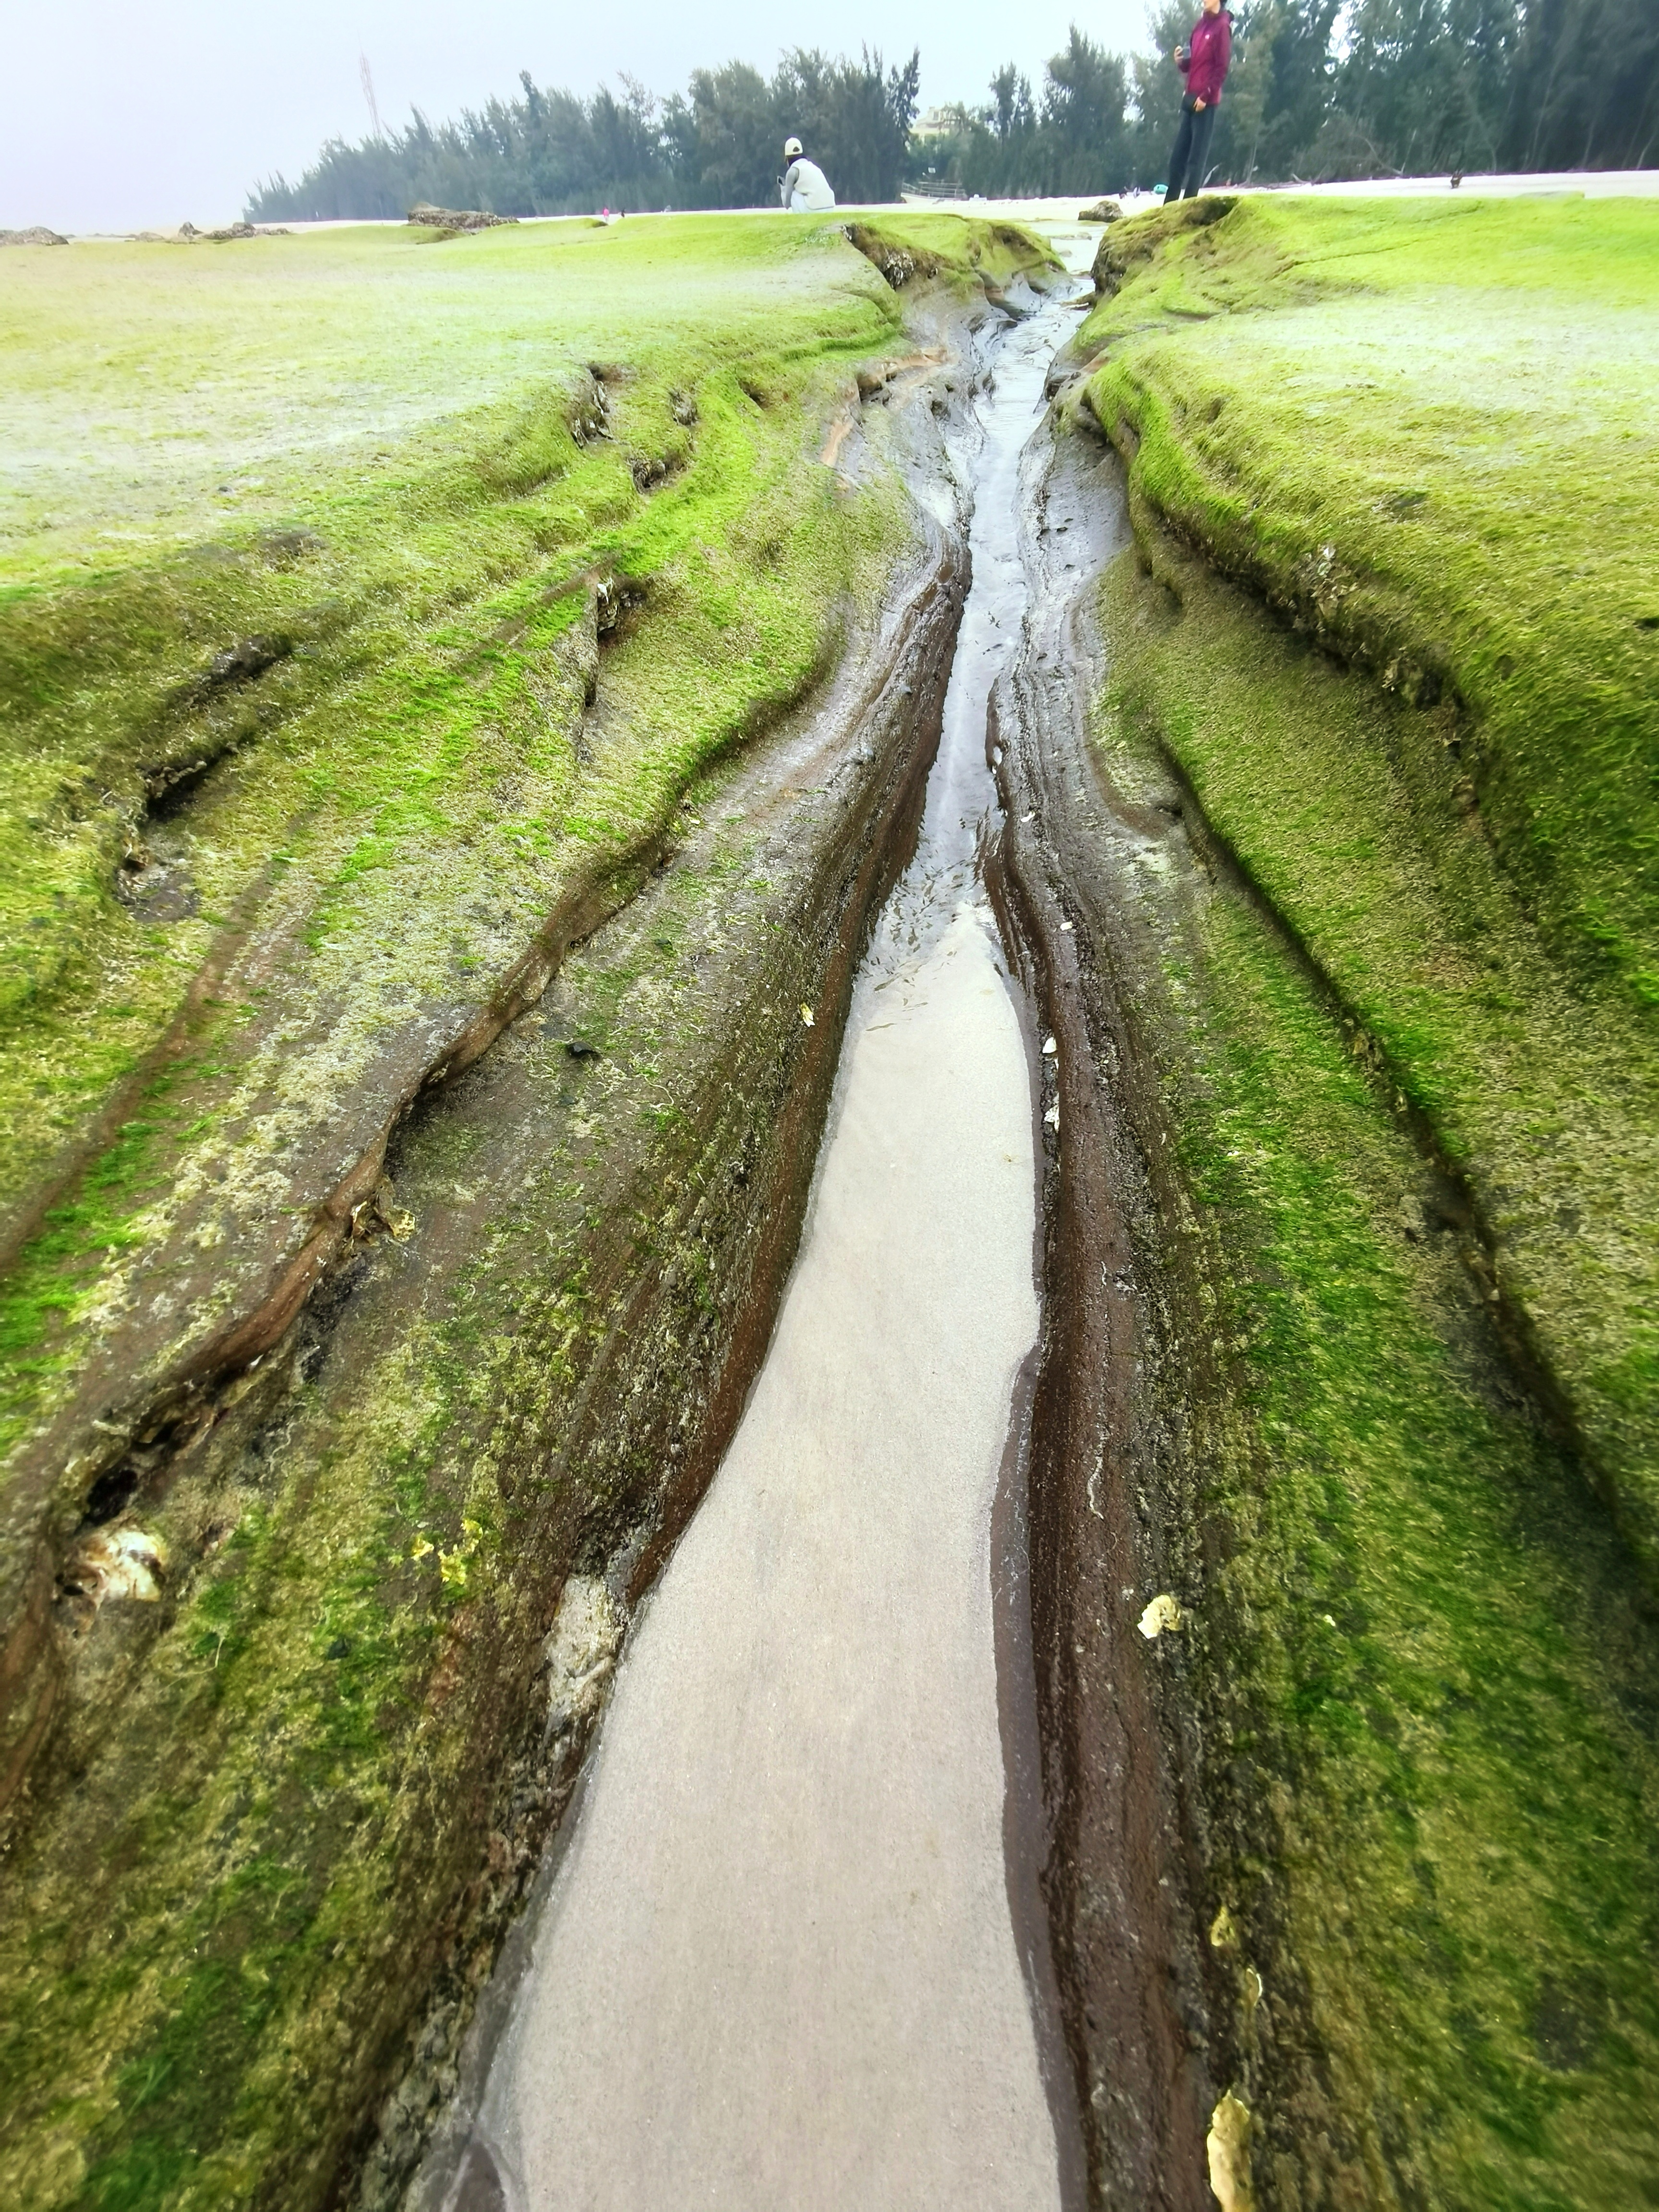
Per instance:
{"type": "Point", "coordinates": [789, 1948]}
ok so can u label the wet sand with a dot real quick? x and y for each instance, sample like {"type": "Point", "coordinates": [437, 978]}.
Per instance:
{"type": "Point", "coordinates": [777, 1964]}
{"type": "Point", "coordinates": [778, 1967]}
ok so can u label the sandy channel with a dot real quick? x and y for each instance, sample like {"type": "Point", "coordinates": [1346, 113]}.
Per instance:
{"type": "Point", "coordinates": [777, 1966]}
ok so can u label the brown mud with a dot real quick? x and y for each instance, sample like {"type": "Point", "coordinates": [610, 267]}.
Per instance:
{"type": "Point", "coordinates": [1120, 1877]}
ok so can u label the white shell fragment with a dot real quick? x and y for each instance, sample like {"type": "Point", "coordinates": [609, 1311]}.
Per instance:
{"type": "Point", "coordinates": [121, 1563]}
{"type": "Point", "coordinates": [580, 1651]}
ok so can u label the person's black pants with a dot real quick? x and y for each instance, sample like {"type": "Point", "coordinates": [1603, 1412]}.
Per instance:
{"type": "Point", "coordinates": [1191, 157]}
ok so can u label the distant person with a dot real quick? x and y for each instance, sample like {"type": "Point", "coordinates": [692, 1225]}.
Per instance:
{"type": "Point", "coordinates": [1204, 64]}
{"type": "Point", "coordinates": [805, 185]}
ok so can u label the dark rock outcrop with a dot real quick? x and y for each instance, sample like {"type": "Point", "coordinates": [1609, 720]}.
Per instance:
{"type": "Point", "coordinates": [437, 218]}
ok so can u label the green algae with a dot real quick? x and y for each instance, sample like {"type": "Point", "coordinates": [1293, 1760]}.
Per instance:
{"type": "Point", "coordinates": [337, 366]}
{"type": "Point", "coordinates": [255, 1839]}
{"type": "Point", "coordinates": [397, 1506]}
{"type": "Point", "coordinates": [1427, 1672]}
{"type": "Point", "coordinates": [432, 699]}
{"type": "Point", "coordinates": [416, 550]}
{"type": "Point", "coordinates": [1425, 426]}
{"type": "Point", "coordinates": [1418, 431]}
{"type": "Point", "coordinates": [1344, 807]}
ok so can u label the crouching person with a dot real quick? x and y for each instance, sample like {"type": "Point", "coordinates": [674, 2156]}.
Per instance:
{"type": "Point", "coordinates": [805, 184]}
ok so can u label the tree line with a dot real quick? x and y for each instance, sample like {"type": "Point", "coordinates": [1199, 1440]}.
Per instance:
{"type": "Point", "coordinates": [1319, 91]}
{"type": "Point", "coordinates": [719, 144]}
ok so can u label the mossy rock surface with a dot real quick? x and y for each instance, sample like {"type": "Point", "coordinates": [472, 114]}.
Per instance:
{"type": "Point", "coordinates": [1429, 1671]}
{"type": "Point", "coordinates": [310, 783]}
{"type": "Point", "coordinates": [1400, 1755]}
{"type": "Point", "coordinates": [1422, 435]}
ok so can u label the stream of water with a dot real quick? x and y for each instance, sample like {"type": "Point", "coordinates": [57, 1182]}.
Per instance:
{"type": "Point", "coordinates": [791, 1954]}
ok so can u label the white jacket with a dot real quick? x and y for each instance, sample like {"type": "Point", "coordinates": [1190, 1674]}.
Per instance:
{"type": "Point", "coordinates": [806, 186]}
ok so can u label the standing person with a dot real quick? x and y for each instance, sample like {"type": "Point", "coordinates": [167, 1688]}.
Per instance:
{"type": "Point", "coordinates": [805, 185]}
{"type": "Point", "coordinates": [1203, 64]}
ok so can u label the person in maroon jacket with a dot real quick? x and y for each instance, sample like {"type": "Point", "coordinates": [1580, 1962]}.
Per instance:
{"type": "Point", "coordinates": [1203, 64]}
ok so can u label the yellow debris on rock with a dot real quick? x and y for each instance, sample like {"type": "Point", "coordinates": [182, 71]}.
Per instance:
{"type": "Point", "coordinates": [1228, 2149]}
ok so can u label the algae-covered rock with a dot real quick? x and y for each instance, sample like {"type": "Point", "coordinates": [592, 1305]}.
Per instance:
{"type": "Point", "coordinates": [1348, 1254]}
{"type": "Point", "coordinates": [356, 1333]}
{"type": "Point", "coordinates": [909, 246]}
{"type": "Point", "coordinates": [1138, 241]}
{"type": "Point", "coordinates": [1298, 398]}
{"type": "Point", "coordinates": [439, 218]}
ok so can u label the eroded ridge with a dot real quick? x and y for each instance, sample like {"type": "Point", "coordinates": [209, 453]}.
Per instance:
{"type": "Point", "coordinates": [1346, 1669]}
{"type": "Point", "coordinates": [297, 1669]}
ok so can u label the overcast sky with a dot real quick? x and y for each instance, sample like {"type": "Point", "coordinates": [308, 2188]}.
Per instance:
{"type": "Point", "coordinates": [117, 115]}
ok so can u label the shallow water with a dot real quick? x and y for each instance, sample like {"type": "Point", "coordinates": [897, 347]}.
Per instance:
{"type": "Point", "coordinates": [777, 1963]}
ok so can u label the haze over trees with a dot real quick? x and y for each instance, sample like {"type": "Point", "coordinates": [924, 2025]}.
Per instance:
{"type": "Point", "coordinates": [1322, 92]}
{"type": "Point", "coordinates": [719, 144]}
{"type": "Point", "coordinates": [1317, 91]}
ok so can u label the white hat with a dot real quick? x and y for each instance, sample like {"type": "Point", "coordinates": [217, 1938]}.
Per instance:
{"type": "Point", "coordinates": [791, 149]}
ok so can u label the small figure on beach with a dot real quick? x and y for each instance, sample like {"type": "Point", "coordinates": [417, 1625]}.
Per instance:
{"type": "Point", "coordinates": [1203, 62]}
{"type": "Point", "coordinates": [804, 185]}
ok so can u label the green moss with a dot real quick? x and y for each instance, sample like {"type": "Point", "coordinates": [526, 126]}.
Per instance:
{"type": "Point", "coordinates": [1429, 1677]}
{"type": "Point", "coordinates": [285, 1772]}
{"type": "Point", "coordinates": [431, 728]}
{"type": "Point", "coordinates": [1427, 425]}
{"type": "Point", "coordinates": [1418, 430]}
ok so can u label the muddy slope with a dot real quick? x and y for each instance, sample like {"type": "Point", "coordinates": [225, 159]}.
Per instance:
{"type": "Point", "coordinates": [267, 1857]}
{"type": "Point", "coordinates": [1352, 1862]}
{"type": "Point", "coordinates": [1125, 1950]}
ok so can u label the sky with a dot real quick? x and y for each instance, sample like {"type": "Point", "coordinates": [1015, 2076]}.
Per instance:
{"type": "Point", "coordinates": [125, 115]}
